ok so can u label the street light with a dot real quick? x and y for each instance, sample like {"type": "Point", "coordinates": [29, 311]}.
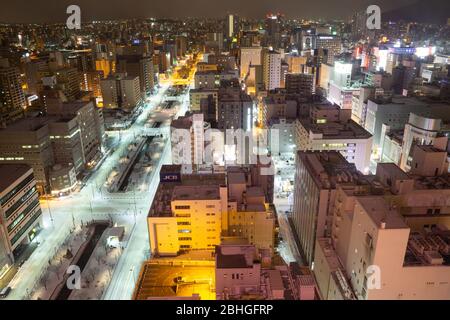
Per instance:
{"type": "Point", "coordinates": [50, 212]}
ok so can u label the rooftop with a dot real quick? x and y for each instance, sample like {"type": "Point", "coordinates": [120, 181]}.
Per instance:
{"type": "Point", "coordinates": [235, 256]}
{"type": "Point", "coordinates": [330, 167]}
{"type": "Point", "coordinates": [236, 178]}
{"type": "Point", "coordinates": [336, 130]}
{"type": "Point", "coordinates": [382, 215]}
{"type": "Point", "coordinates": [195, 193]}
{"type": "Point", "coordinates": [190, 186]}
{"type": "Point", "coordinates": [10, 173]}
{"type": "Point", "coordinates": [158, 280]}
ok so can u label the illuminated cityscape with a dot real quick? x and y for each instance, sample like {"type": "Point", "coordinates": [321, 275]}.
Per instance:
{"type": "Point", "coordinates": [299, 152]}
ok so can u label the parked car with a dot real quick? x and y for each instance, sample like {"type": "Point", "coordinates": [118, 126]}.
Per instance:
{"type": "Point", "coordinates": [5, 291]}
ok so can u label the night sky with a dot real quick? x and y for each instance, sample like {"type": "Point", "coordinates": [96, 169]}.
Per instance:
{"type": "Point", "coordinates": [54, 10]}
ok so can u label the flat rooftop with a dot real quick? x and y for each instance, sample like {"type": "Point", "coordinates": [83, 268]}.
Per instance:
{"type": "Point", "coordinates": [157, 280]}
{"type": "Point", "coordinates": [327, 167]}
{"type": "Point", "coordinates": [236, 178]}
{"type": "Point", "coordinates": [195, 193]}
{"type": "Point", "coordinates": [235, 256]}
{"type": "Point", "coordinates": [380, 212]}
{"type": "Point", "coordinates": [9, 173]}
{"type": "Point", "coordinates": [190, 186]}
{"type": "Point", "coordinates": [26, 124]}
{"type": "Point", "coordinates": [393, 171]}
{"type": "Point", "coordinates": [336, 130]}
{"type": "Point", "coordinates": [255, 191]}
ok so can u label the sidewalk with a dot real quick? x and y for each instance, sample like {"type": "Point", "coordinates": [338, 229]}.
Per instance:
{"type": "Point", "coordinates": [4, 282]}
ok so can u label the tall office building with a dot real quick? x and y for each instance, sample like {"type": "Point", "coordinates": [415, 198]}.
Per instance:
{"type": "Point", "coordinates": [316, 176]}
{"type": "Point", "coordinates": [333, 45]}
{"type": "Point", "coordinates": [273, 29]}
{"type": "Point", "coordinates": [181, 45]}
{"type": "Point", "coordinates": [390, 236]}
{"type": "Point", "coordinates": [234, 110]}
{"type": "Point", "coordinates": [330, 128]}
{"type": "Point", "coordinates": [214, 42]}
{"type": "Point", "coordinates": [231, 26]}
{"type": "Point", "coordinates": [187, 211]}
{"type": "Point", "coordinates": [271, 70]}
{"type": "Point", "coordinates": [20, 212]}
{"type": "Point", "coordinates": [68, 81]}
{"type": "Point", "coordinates": [121, 91]}
{"type": "Point", "coordinates": [138, 66]}
{"type": "Point", "coordinates": [12, 98]}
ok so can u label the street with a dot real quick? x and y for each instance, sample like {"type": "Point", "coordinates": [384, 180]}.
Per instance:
{"type": "Point", "coordinates": [93, 202]}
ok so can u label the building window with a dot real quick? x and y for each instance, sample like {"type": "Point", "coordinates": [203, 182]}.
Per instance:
{"type": "Point", "coordinates": [182, 207]}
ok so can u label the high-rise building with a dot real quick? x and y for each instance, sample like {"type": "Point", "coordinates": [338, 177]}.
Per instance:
{"type": "Point", "coordinates": [196, 95]}
{"type": "Point", "coordinates": [389, 235]}
{"type": "Point", "coordinates": [214, 42]}
{"type": "Point", "coordinates": [317, 174]}
{"type": "Point", "coordinates": [188, 141]}
{"type": "Point", "coordinates": [20, 212]}
{"type": "Point", "coordinates": [12, 98]}
{"type": "Point", "coordinates": [333, 45]}
{"type": "Point", "coordinates": [271, 70]}
{"type": "Point", "coordinates": [138, 66]}
{"type": "Point", "coordinates": [231, 26]}
{"type": "Point", "coordinates": [234, 109]}
{"type": "Point", "coordinates": [181, 45]}
{"type": "Point", "coordinates": [68, 80]}
{"type": "Point", "coordinates": [394, 112]}
{"type": "Point", "coordinates": [273, 29]}
{"type": "Point", "coordinates": [330, 128]}
{"type": "Point", "coordinates": [121, 91]}
{"type": "Point", "coordinates": [194, 211]}
{"type": "Point", "coordinates": [28, 142]}
{"type": "Point", "coordinates": [187, 212]}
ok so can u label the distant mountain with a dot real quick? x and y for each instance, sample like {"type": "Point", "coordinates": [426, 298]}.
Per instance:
{"type": "Point", "coordinates": [424, 11]}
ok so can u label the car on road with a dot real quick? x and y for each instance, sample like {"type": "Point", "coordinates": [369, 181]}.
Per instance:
{"type": "Point", "coordinates": [5, 292]}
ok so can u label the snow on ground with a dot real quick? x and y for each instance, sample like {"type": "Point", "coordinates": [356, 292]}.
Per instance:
{"type": "Point", "coordinates": [58, 264]}
{"type": "Point", "coordinates": [98, 272]}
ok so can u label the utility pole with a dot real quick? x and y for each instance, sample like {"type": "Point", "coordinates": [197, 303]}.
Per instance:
{"type": "Point", "coordinates": [92, 212]}
{"type": "Point", "coordinates": [50, 213]}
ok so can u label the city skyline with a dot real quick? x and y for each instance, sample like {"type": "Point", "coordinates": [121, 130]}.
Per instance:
{"type": "Point", "coordinates": [54, 11]}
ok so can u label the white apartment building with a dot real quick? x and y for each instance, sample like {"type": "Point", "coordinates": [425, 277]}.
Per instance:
{"type": "Point", "coordinates": [271, 70]}
{"type": "Point", "coordinates": [316, 176]}
{"type": "Point", "coordinates": [391, 232]}
{"type": "Point", "coordinates": [330, 128]}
